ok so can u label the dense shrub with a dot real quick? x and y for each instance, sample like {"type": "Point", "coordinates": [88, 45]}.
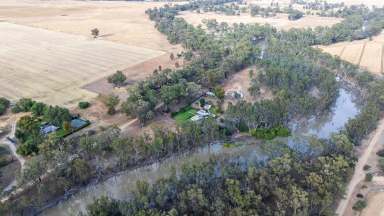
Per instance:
{"type": "Point", "coordinates": [366, 167]}
{"type": "Point", "coordinates": [4, 104]}
{"type": "Point", "coordinates": [84, 104]}
{"type": "Point", "coordinates": [23, 105]}
{"type": "Point", "coordinates": [368, 177]}
{"type": "Point", "coordinates": [268, 134]}
{"type": "Point", "coordinates": [359, 205]}
{"type": "Point", "coordinates": [380, 153]}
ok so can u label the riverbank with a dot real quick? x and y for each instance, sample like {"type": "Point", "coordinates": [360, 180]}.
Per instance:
{"type": "Point", "coordinates": [121, 185]}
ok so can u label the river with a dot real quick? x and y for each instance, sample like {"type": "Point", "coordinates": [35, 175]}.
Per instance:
{"type": "Point", "coordinates": [121, 186]}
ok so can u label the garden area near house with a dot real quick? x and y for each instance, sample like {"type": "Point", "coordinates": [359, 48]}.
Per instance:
{"type": "Point", "coordinates": [184, 114]}
{"type": "Point", "coordinates": [44, 121]}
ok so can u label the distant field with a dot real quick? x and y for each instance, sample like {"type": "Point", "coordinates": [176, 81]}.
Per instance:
{"type": "Point", "coordinates": [283, 3]}
{"type": "Point", "coordinates": [118, 21]}
{"type": "Point", "coordinates": [52, 66]}
{"type": "Point", "coordinates": [365, 53]}
{"type": "Point", "coordinates": [378, 3]}
{"type": "Point", "coordinates": [280, 21]}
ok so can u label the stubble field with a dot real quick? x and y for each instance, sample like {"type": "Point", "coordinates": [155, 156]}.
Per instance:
{"type": "Point", "coordinates": [47, 52]}
{"type": "Point", "coordinates": [368, 54]}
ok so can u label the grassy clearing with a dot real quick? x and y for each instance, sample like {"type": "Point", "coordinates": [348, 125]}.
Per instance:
{"type": "Point", "coordinates": [184, 114]}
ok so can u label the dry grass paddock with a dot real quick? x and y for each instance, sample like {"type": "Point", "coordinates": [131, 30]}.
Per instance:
{"type": "Point", "coordinates": [368, 54]}
{"type": "Point", "coordinates": [51, 66]}
{"type": "Point", "coordinates": [47, 51]}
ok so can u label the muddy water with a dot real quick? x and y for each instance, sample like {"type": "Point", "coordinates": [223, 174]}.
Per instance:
{"type": "Point", "coordinates": [121, 186]}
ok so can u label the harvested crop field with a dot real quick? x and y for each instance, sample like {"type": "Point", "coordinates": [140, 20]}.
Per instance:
{"type": "Point", "coordinates": [52, 66]}
{"type": "Point", "coordinates": [47, 51]}
{"type": "Point", "coordinates": [118, 21]}
{"type": "Point", "coordinates": [368, 54]}
{"type": "Point", "coordinates": [280, 21]}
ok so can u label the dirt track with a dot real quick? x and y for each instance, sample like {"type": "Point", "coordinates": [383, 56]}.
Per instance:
{"type": "Point", "coordinates": [359, 174]}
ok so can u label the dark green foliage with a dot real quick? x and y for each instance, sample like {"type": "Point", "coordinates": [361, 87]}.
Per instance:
{"type": "Point", "coordinates": [104, 207]}
{"type": "Point", "coordinates": [202, 102]}
{"type": "Point", "coordinates": [364, 123]}
{"type": "Point", "coordinates": [28, 133]}
{"type": "Point", "coordinates": [368, 177]}
{"type": "Point", "coordinates": [263, 114]}
{"type": "Point", "coordinates": [359, 205]}
{"type": "Point", "coordinates": [23, 105]}
{"type": "Point", "coordinates": [56, 115]}
{"type": "Point", "coordinates": [270, 133]}
{"type": "Point", "coordinates": [38, 108]}
{"type": "Point", "coordinates": [28, 127]}
{"type": "Point", "coordinates": [380, 153]}
{"type": "Point", "coordinates": [381, 164]}
{"type": "Point", "coordinates": [84, 104]}
{"type": "Point", "coordinates": [111, 102]}
{"type": "Point", "coordinates": [117, 78]}
{"type": "Point", "coordinates": [256, 10]}
{"type": "Point", "coordinates": [222, 187]}
{"type": "Point", "coordinates": [4, 105]}
{"type": "Point", "coordinates": [295, 14]}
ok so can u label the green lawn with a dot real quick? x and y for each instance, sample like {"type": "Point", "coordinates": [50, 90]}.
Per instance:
{"type": "Point", "coordinates": [184, 115]}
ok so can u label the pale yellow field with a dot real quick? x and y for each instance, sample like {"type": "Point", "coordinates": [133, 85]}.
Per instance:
{"type": "Point", "coordinates": [52, 66]}
{"type": "Point", "coordinates": [372, 57]}
{"type": "Point", "coordinates": [365, 53]}
{"type": "Point", "coordinates": [118, 21]}
{"type": "Point", "coordinates": [352, 52]}
{"type": "Point", "coordinates": [280, 21]}
{"type": "Point", "coordinates": [47, 51]}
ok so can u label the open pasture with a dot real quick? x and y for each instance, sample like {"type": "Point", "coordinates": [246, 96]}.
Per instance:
{"type": "Point", "coordinates": [280, 21]}
{"type": "Point", "coordinates": [368, 54]}
{"type": "Point", "coordinates": [52, 66]}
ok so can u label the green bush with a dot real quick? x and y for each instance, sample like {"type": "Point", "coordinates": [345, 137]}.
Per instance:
{"type": "Point", "coordinates": [84, 104]}
{"type": "Point", "coordinates": [366, 167]}
{"type": "Point", "coordinates": [359, 205]}
{"type": "Point", "coordinates": [368, 177]}
{"type": "Point", "coordinates": [381, 164]}
{"type": "Point", "coordinates": [4, 104]}
{"type": "Point", "coordinates": [23, 105]}
{"type": "Point", "coordinates": [380, 153]}
{"type": "Point", "coordinates": [3, 109]}
{"type": "Point", "coordinates": [202, 102]}
{"type": "Point", "coordinates": [269, 134]}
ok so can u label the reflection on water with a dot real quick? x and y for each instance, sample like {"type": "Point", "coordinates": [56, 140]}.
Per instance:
{"type": "Point", "coordinates": [119, 187]}
{"type": "Point", "coordinates": [323, 126]}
